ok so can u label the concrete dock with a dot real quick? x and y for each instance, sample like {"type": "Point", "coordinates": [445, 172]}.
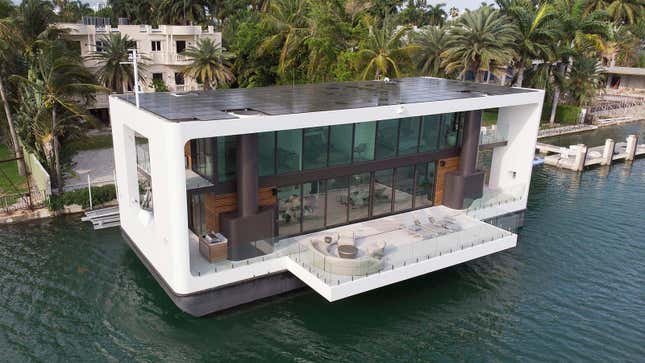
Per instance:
{"type": "Point", "coordinates": [578, 157]}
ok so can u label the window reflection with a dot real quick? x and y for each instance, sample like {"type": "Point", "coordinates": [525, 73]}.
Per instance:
{"type": "Point", "coordinates": [313, 207]}
{"type": "Point", "coordinates": [386, 139]}
{"type": "Point", "coordinates": [449, 131]}
{"type": "Point", "coordinates": [266, 151]}
{"type": "Point", "coordinates": [315, 147]}
{"type": "Point", "coordinates": [403, 186]}
{"type": "Point", "coordinates": [430, 127]}
{"type": "Point", "coordinates": [382, 203]}
{"type": "Point", "coordinates": [203, 161]}
{"type": "Point", "coordinates": [364, 141]}
{"type": "Point", "coordinates": [288, 150]}
{"type": "Point", "coordinates": [359, 196]}
{"type": "Point", "coordinates": [340, 144]}
{"type": "Point", "coordinates": [408, 135]}
{"type": "Point", "coordinates": [226, 157]}
{"type": "Point", "coordinates": [337, 200]}
{"type": "Point", "coordinates": [289, 210]}
{"type": "Point", "coordinates": [425, 176]}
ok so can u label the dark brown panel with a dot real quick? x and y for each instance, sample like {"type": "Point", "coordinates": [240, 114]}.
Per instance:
{"type": "Point", "coordinates": [444, 166]}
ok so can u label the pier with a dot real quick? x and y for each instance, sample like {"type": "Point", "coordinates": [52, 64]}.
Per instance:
{"type": "Point", "coordinates": [578, 157]}
{"type": "Point", "coordinates": [103, 218]}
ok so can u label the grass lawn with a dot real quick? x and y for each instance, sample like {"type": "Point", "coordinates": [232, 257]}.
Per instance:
{"type": "Point", "coordinates": [9, 170]}
{"type": "Point", "coordinates": [90, 143]}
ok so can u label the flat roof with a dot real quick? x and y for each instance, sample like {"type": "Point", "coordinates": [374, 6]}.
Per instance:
{"type": "Point", "coordinates": [633, 71]}
{"type": "Point", "coordinates": [220, 104]}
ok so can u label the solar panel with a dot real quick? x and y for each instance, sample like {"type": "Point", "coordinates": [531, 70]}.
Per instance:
{"type": "Point", "coordinates": [282, 100]}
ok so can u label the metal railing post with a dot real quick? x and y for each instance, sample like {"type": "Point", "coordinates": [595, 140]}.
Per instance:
{"type": "Point", "coordinates": [89, 190]}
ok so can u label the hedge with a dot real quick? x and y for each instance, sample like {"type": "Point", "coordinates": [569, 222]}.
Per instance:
{"type": "Point", "coordinates": [81, 197]}
{"type": "Point", "coordinates": [564, 114]}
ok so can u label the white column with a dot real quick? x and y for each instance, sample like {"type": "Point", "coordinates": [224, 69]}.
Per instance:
{"type": "Point", "coordinates": [632, 144]}
{"type": "Point", "coordinates": [581, 157]}
{"type": "Point", "coordinates": [608, 152]}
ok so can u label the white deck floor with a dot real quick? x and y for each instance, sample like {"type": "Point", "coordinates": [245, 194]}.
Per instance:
{"type": "Point", "coordinates": [441, 237]}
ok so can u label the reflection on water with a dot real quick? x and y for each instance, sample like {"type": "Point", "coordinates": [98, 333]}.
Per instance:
{"type": "Point", "coordinates": [571, 290]}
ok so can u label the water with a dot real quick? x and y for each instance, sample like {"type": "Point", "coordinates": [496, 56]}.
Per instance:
{"type": "Point", "coordinates": [573, 289]}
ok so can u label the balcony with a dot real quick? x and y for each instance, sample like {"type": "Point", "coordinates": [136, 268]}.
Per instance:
{"type": "Point", "coordinates": [383, 251]}
{"type": "Point", "coordinates": [489, 137]}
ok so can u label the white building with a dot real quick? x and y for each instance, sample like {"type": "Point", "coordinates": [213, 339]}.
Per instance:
{"type": "Point", "coordinates": [161, 46]}
{"type": "Point", "coordinates": [234, 195]}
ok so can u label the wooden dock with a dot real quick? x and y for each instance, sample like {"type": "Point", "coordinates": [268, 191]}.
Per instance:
{"type": "Point", "coordinates": [578, 157]}
{"type": "Point", "coordinates": [103, 218]}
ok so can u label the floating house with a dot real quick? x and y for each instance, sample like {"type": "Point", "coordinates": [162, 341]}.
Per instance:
{"type": "Point", "coordinates": [234, 195]}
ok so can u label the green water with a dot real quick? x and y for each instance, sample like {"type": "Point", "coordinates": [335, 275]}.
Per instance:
{"type": "Point", "coordinates": [573, 290]}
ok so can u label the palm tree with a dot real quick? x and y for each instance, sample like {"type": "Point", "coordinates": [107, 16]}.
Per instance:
{"type": "Point", "coordinates": [583, 80]}
{"type": "Point", "coordinates": [626, 11]}
{"type": "Point", "coordinates": [112, 72]}
{"type": "Point", "coordinates": [536, 33]}
{"type": "Point", "coordinates": [435, 15]}
{"type": "Point", "coordinates": [383, 50]}
{"type": "Point", "coordinates": [289, 24]}
{"type": "Point", "coordinates": [477, 39]}
{"type": "Point", "coordinates": [10, 43]}
{"type": "Point", "coordinates": [209, 64]}
{"type": "Point", "coordinates": [183, 12]}
{"type": "Point", "coordinates": [432, 43]}
{"type": "Point", "coordinates": [60, 79]}
{"type": "Point", "coordinates": [35, 17]}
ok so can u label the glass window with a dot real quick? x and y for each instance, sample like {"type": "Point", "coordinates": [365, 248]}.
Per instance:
{"type": "Point", "coordinates": [424, 194]}
{"type": "Point", "coordinates": [359, 196]}
{"type": "Point", "coordinates": [204, 158]}
{"type": "Point", "coordinates": [179, 79]}
{"type": "Point", "coordinates": [364, 141]}
{"type": "Point", "coordinates": [409, 135]}
{"type": "Point", "coordinates": [430, 126]}
{"type": "Point", "coordinates": [404, 183]}
{"type": "Point", "coordinates": [386, 139]}
{"type": "Point", "coordinates": [337, 200]}
{"type": "Point", "coordinates": [289, 150]}
{"type": "Point", "coordinates": [266, 150]}
{"type": "Point", "coordinates": [198, 222]}
{"type": "Point", "coordinates": [382, 192]}
{"type": "Point", "coordinates": [226, 157]}
{"type": "Point", "coordinates": [289, 208]}
{"type": "Point", "coordinates": [313, 207]}
{"type": "Point", "coordinates": [449, 131]}
{"type": "Point", "coordinates": [314, 153]}
{"type": "Point", "coordinates": [340, 144]}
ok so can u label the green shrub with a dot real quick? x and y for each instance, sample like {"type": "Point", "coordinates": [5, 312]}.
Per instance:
{"type": "Point", "coordinates": [567, 114]}
{"type": "Point", "coordinates": [81, 197]}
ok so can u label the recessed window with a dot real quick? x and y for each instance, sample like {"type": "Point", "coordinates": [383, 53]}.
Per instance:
{"type": "Point", "coordinates": [181, 46]}
{"type": "Point", "coordinates": [364, 141]}
{"type": "Point", "coordinates": [99, 46]}
{"type": "Point", "coordinates": [179, 79]}
{"type": "Point", "coordinates": [156, 45]}
{"type": "Point", "coordinates": [157, 76]}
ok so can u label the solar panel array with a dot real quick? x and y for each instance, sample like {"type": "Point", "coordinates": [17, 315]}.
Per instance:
{"type": "Point", "coordinates": [282, 100]}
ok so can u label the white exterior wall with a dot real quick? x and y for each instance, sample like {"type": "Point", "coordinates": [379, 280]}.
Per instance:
{"type": "Point", "coordinates": [165, 241]}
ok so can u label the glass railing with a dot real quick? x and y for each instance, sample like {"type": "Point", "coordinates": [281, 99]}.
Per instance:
{"type": "Point", "coordinates": [496, 198]}
{"type": "Point", "coordinates": [489, 135]}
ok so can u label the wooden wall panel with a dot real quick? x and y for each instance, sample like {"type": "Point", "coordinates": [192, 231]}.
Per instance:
{"type": "Point", "coordinates": [188, 156]}
{"type": "Point", "coordinates": [215, 205]}
{"type": "Point", "coordinates": [450, 164]}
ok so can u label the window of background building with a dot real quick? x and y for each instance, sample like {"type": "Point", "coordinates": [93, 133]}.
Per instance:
{"type": "Point", "coordinates": [157, 76]}
{"type": "Point", "coordinates": [386, 139]}
{"type": "Point", "coordinates": [289, 150]}
{"type": "Point", "coordinates": [99, 46]}
{"type": "Point", "coordinates": [289, 210]}
{"type": "Point", "coordinates": [313, 205]}
{"type": "Point", "coordinates": [337, 200]}
{"type": "Point", "coordinates": [314, 146]}
{"type": "Point", "coordinates": [179, 78]}
{"type": "Point", "coordinates": [266, 151]}
{"type": "Point", "coordinates": [181, 46]}
{"type": "Point", "coordinates": [408, 135]}
{"type": "Point", "coordinates": [364, 134]}
{"type": "Point", "coordinates": [226, 158]}
{"type": "Point", "coordinates": [156, 45]}
{"type": "Point", "coordinates": [340, 144]}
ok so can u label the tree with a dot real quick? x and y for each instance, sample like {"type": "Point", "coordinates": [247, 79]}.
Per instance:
{"type": "Point", "coordinates": [209, 64]}
{"type": "Point", "coordinates": [288, 23]}
{"type": "Point", "coordinates": [181, 12]}
{"type": "Point", "coordinates": [536, 33]}
{"type": "Point", "coordinates": [112, 71]}
{"type": "Point", "coordinates": [59, 78]}
{"type": "Point", "coordinates": [583, 80]}
{"type": "Point", "coordinates": [9, 44]}
{"type": "Point", "coordinates": [435, 15]}
{"type": "Point", "coordinates": [626, 11]}
{"type": "Point", "coordinates": [6, 9]}
{"type": "Point", "coordinates": [432, 42]}
{"type": "Point", "coordinates": [383, 50]}
{"type": "Point", "coordinates": [478, 38]}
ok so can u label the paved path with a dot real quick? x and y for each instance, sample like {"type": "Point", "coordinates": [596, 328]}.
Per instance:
{"type": "Point", "coordinates": [98, 163]}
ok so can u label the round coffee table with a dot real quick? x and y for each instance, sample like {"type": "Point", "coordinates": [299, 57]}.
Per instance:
{"type": "Point", "coordinates": [347, 251]}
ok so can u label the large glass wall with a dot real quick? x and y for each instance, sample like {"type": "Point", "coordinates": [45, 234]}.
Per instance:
{"type": "Point", "coordinates": [450, 127]}
{"type": "Point", "coordinates": [386, 139]}
{"type": "Point", "coordinates": [204, 157]}
{"type": "Point", "coordinates": [409, 135]}
{"type": "Point", "coordinates": [197, 215]}
{"type": "Point", "coordinates": [364, 141]}
{"type": "Point", "coordinates": [331, 202]}
{"type": "Point", "coordinates": [226, 158]}
{"type": "Point", "coordinates": [289, 151]}
{"type": "Point", "coordinates": [266, 150]}
{"type": "Point", "coordinates": [430, 129]}
{"type": "Point", "coordinates": [314, 148]}
{"type": "Point", "coordinates": [340, 144]}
